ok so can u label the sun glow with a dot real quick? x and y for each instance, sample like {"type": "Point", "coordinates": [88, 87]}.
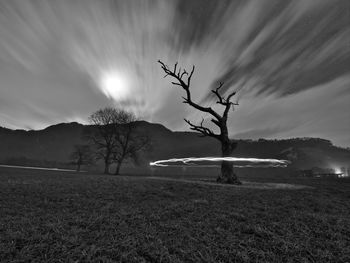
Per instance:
{"type": "Point", "coordinates": [114, 85]}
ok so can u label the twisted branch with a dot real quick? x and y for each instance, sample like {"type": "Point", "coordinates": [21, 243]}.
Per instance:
{"type": "Point", "coordinates": [203, 130]}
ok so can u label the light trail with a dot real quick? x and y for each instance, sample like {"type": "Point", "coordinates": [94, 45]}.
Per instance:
{"type": "Point", "coordinates": [253, 162]}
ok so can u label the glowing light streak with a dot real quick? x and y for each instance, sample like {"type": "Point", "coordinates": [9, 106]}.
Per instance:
{"type": "Point", "coordinates": [254, 162]}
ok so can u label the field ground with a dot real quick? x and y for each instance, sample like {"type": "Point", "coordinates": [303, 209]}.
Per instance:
{"type": "Point", "coordinates": [51, 216]}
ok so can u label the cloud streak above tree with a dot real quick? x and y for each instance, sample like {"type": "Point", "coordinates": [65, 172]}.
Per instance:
{"type": "Point", "coordinates": [53, 54]}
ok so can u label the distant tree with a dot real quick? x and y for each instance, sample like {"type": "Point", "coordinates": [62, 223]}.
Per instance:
{"type": "Point", "coordinates": [81, 155]}
{"type": "Point", "coordinates": [115, 137]}
{"type": "Point", "coordinates": [227, 146]}
{"type": "Point", "coordinates": [129, 141]}
{"type": "Point", "coordinates": [102, 135]}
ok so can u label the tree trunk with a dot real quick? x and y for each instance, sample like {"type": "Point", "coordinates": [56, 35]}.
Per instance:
{"type": "Point", "coordinates": [117, 170]}
{"type": "Point", "coordinates": [227, 173]}
{"type": "Point", "coordinates": [106, 171]}
{"type": "Point", "coordinates": [78, 167]}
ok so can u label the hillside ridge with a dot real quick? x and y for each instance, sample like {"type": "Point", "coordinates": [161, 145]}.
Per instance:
{"type": "Point", "coordinates": [55, 143]}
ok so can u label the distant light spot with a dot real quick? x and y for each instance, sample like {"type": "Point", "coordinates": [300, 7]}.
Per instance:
{"type": "Point", "coordinates": [114, 85]}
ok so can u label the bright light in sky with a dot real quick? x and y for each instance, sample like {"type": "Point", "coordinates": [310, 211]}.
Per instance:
{"type": "Point", "coordinates": [114, 85]}
{"type": "Point", "coordinates": [289, 60]}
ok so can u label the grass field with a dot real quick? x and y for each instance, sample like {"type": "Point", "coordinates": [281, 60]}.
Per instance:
{"type": "Point", "coordinates": [50, 216]}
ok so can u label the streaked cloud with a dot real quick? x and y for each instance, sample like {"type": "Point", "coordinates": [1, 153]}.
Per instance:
{"type": "Point", "coordinates": [278, 54]}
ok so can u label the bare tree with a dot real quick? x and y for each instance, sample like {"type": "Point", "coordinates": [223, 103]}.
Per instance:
{"type": "Point", "coordinates": [115, 137]}
{"type": "Point", "coordinates": [129, 141]}
{"type": "Point", "coordinates": [81, 155]}
{"type": "Point", "coordinates": [102, 136]}
{"type": "Point", "coordinates": [183, 80]}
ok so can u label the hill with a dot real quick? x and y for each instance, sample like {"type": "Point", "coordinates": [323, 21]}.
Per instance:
{"type": "Point", "coordinates": [53, 145]}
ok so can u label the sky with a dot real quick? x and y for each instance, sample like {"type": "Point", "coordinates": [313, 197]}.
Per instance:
{"type": "Point", "coordinates": [289, 62]}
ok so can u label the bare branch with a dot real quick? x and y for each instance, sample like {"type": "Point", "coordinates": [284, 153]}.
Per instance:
{"type": "Point", "coordinates": [228, 99]}
{"type": "Point", "coordinates": [183, 73]}
{"type": "Point", "coordinates": [216, 122]}
{"type": "Point", "coordinates": [178, 75]}
{"type": "Point", "coordinates": [229, 104]}
{"type": "Point", "coordinates": [217, 94]}
{"type": "Point", "coordinates": [190, 76]}
{"type": "Point", "coordinates": [175, 83]}
{"type": "Point", "coordinates": [203, 130]}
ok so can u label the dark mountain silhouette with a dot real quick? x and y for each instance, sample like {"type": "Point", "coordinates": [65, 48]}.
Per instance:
{"type": "Point", "coordinates": [53, 146]}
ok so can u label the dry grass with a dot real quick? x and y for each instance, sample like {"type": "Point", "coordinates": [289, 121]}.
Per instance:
{"type": "Point", "coordinates": [49, 216]}
{"type": "Point", "coordinates": [245, 184]}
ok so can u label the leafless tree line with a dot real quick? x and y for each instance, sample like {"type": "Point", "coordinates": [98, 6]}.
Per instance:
{"type": "Point", "coordinates": [113, 138]}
